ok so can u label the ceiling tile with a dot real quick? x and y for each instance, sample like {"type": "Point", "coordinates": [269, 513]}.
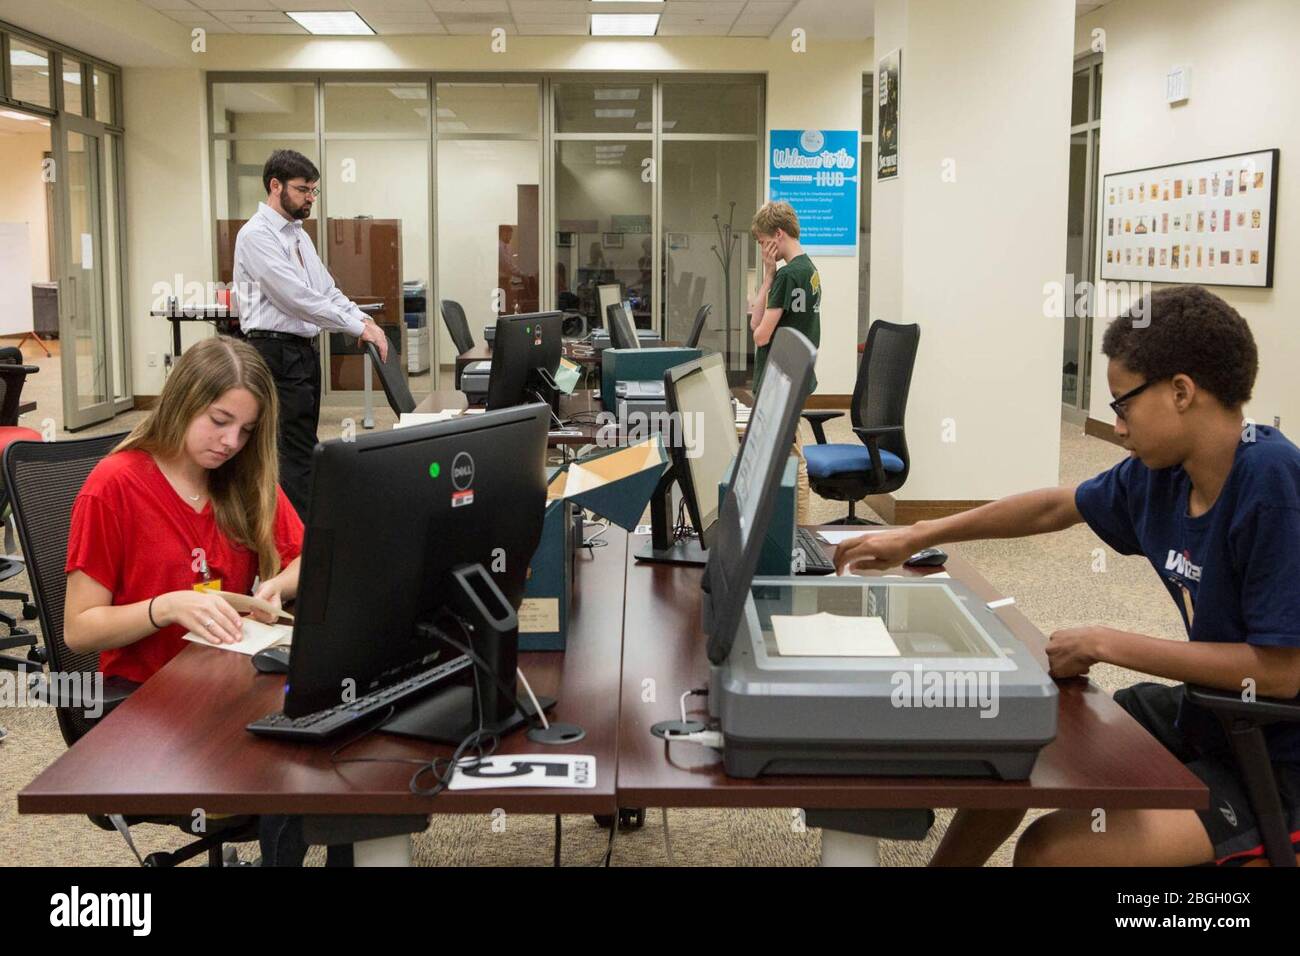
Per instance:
{"type": "Point", "coordinates": [470, 6]}
{"type": "Point", "coordinates": [390, 7]}
{"type": "Point", "coordinates": [408, 29]}
{"type": "Point", "coordinates": [530, 7]}
{"type": "Point", "coordinates": [170, 5]}
{"type": "Point", "coordinates": [224, 5]}
{"type": "Point", "coordinates": [270, 28]}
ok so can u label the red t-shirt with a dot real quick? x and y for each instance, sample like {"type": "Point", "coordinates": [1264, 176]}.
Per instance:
{"type": "Point", "coordinates": [137, 537]}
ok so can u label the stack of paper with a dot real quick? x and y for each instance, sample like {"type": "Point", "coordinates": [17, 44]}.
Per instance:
{"type": "Point", "coordinates": [832, 635]}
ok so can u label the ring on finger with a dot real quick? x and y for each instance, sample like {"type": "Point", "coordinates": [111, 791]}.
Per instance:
{"type": "Point", "coordinates": [209, 622]}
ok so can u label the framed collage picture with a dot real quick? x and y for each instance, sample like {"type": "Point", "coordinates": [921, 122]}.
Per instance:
{"type": "Point", "coordinates": [1208, 221]}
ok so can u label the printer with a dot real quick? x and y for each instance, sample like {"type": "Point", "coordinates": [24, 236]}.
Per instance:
{"type": "Point", "coordinates": [853, 675]}
{"type": "Point", "coordinates": [474, 379]}
{"type": "Point", "coordinates": [649, 338]}
{"type": "Point", "coordinates": [639, 400]}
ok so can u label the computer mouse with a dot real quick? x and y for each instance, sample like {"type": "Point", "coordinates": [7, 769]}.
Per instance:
{"type": "Point", "coordinates": [273, 660]}
{"type": "Point", "coordinates": [927, 558]}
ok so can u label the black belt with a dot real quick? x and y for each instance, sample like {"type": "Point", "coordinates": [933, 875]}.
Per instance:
{"type": "Point", "coordinates": [311, 342]}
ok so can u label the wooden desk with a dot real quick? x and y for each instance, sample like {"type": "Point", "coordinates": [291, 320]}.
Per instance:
{"type": "Point", "coordinates": [1101, 757]}
{"type": "Point", "coordinates": [583, 354]}
{"type": "Point", "coordinates": [583, 401]}
{"type": "Point", "coordinates": [179, 741]}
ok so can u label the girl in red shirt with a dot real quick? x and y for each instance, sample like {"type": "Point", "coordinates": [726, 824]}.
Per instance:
{"type": "Point", "coordinates": [188, 504]}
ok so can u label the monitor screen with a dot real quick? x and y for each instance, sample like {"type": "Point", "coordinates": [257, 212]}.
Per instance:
{"type": "Point", "coordinates": [706, 426]}
{"type": "Point", "coordinates": [747, 508]}
{"type": "Point", "coordinates": [622, 331]}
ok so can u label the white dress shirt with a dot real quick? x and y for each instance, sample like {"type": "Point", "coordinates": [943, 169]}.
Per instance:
{"type": "Point", "coordinates": [281, 284]}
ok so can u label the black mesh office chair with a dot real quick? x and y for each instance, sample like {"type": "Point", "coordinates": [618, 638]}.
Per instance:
{"type": "Point", "coordinates": [457, 325]}
{"type": "Point", "coordinates": [850, 472]}
{"type": "Point", "coordinates": [13, 373]}
{"type": "Point", "coordinates": [391, 377]}
{"type": "Point", "coordinates": [693, 340]}
{"type": "Point", "coordinates": [1243, 724]}
{"type": "Point", "coordinates": [43, 481]}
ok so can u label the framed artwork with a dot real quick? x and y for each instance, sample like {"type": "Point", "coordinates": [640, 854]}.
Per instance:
{"type": "Point", "coordinates": [611, 240]}
{"type": "Point", "coordinates": [888, 72]}
{"type": "Point", "coordinates": [1207, 221]}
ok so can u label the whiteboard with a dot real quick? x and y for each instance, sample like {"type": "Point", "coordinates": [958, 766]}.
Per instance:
{"type": "Point", "coordinates": [15, 278]}
{"type": "Point", "coordinates": [1210, 222]}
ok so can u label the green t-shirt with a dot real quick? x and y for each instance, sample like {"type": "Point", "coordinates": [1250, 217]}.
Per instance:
{"type": "Point", "coordinates": [797, 291]}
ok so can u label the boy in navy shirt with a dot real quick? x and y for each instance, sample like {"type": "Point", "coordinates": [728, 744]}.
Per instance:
{"type": "Point", "coordinates": [1214, 504]}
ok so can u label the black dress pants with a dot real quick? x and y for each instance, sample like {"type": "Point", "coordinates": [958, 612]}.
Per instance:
{"type": "Point", "coordinates": [295, 366]}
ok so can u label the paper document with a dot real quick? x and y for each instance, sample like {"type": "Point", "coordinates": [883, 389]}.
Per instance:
{"type": "Point", "coordinates": [257, 638]}
{"type": "Point", "coordinates": [407, 419]}
{"type": "Point", "coordinates": [837, 537]}
{"type": "Point", "coordinates": [832, 635]}
{"type": "Point", "coordinates": [565, 771]}
{"type": "Point", "coordinates": [567, 375]}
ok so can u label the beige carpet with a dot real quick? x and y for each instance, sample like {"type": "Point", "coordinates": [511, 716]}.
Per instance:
{"type": "Point", "coordinates": [1051, 578]}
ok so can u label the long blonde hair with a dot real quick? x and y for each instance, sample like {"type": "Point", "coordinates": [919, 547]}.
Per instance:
{"type": "Point", "coordinates": [243, 489]}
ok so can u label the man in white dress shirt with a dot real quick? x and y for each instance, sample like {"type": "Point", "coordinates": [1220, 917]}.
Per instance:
{"type": "Point", "coordinates": [291, 299]}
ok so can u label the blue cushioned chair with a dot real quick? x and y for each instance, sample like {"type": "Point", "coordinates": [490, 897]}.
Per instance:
{"type": "Point", "coordinates": [850, 472]}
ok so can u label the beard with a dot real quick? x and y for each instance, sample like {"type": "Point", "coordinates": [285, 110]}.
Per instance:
{"type": "Point", "coordinates": [301, 210]}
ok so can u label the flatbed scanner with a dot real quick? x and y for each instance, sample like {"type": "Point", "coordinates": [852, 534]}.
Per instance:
{"type": "Point", "coordinates": [944, 689]}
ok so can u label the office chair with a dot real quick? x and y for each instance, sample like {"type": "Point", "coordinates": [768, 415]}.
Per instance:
{"type": "Point", "coordinates": [1243, 724]}
{"type": "Point", "coordinates": [693, 340]}
{"type": "Point", "coordinates": [44, 479]}
{"type": "Point", "coordinates": [396, 388]}
{"type": "Point", "coordinates": [457, 325]}
{"type": "Point", "coordinates": [849, 472]}
{"type": "Point", "coordinates": [12, 375]}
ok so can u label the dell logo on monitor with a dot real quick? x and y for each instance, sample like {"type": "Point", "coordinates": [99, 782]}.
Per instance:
{"type": "Point", "coordinates": [462, 471]}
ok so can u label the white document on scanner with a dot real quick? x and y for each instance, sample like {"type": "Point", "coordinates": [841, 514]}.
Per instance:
{"type": "Point", "coordinates": [832, 635]}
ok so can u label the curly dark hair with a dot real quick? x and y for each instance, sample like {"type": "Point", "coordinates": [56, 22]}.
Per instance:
{"type": "Point", "coordinates": [287, 164]}
{"type": "Point", "coordinates": [1187, 329]}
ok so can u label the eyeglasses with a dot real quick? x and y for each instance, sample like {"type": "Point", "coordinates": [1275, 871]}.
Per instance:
{"type": "Point", "coordinates": [312, 191]}
{"type": "Point", "coordinates": [1117, 406]}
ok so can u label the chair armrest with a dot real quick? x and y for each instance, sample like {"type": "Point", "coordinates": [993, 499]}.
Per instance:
{"type": "Point", "coordinates": [17, 371]}
{"type": "Point", "coordinates": [818, 419]}
{"type": "Point", "coordinates": [871, 438]}
{"type": "Point", "coordinates": [1228, 703]}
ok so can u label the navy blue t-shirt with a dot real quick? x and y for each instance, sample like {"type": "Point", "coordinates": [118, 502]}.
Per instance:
{"type": "Point", "coordinates": [1234, 572]}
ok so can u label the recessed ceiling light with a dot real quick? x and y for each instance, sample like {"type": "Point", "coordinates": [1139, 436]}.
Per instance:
{"type": "Point", "coordinates": [616, 94]}
{"type": "Point", "coordinates": [409, 92]}
{"type": "Point", "coordinates": [26, 58]}
{"type": "Point", "coordinates": [446, 112]}
{"type": "Point", "coordinates": [331, 22]}
{"type": "Point", "coordinates": [614, 114]}
{"type": "Point", "coordinates": [624, 24]}
{"type": "Point", "coordinates": [609, 162]}
{"type": "Point", "coordinates": [72, 76]}
{"type": "Point", "coordinates": [645, 124]}
{"type": "Point", "coordinates": [10, 114]}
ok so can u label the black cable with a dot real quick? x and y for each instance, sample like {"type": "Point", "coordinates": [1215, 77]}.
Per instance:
{"type": "Point", "coordinates": [511, 692]}
{"type": "Point", "coordinates": [557, 839]}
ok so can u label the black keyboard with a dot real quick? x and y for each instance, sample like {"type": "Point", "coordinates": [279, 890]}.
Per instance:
{"type": "Point", "coordinates": [815, 560]}
{"type": "Point", "coordinates": [332, 720]}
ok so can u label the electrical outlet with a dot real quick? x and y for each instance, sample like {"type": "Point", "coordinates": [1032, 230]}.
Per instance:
{"type": "Point", "coordinates": [151, 360]}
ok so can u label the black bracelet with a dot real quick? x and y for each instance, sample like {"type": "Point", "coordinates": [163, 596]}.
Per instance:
{"type": "Point", "coordinates": [151, 620]}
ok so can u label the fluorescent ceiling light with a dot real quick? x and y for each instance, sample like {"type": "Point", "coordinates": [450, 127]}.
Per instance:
{"type": "Point", "coordinates": [446, 112]}
{"type": "Point", "coordinates": [453, 126]}
{"type": "Point", "coordinates": [624, 24]}
{"type": "Point", "coordinates": [331, 23]}
{"type": "Point", "coordinates": [645, 124]}
{"type": "Point", "coordinates": [615, 114]}
{"type": "Point", "coordinates": [613, 94]}
{"type": "Point", "coordinates": [409, 92]}
{"type": "Point", "coordinates": [621, 148]}
{"type": "Point", "coordinates": [10, 114]}
{"type": "Point", "coordinates": [72, 77]}
{"type": "Point", "coordinates": [609, 162]}
{"type": "Point", "coordinates": [26, 58]}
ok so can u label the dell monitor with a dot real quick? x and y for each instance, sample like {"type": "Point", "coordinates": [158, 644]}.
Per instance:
{"type": "Point", "coordinates": [525, 357]}
{"type": "Point", "coordinates": [702, 442]}
{"type": "Point", "coordinates": [746, 510]}
{"type": "Point", "coordinates": [622, 330]}
{"type": "Point", "coordinates": [410, 534]}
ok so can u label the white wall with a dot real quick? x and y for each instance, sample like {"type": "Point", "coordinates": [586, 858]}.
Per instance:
{"type": "Point", "coordinates": [22, 191]}
{"type": "Point", "coordinates": [1242, 57]}
{"type": "Point", "coordinates": [168, 151]}
{"type": "Point", "coordinates": [964, 239]}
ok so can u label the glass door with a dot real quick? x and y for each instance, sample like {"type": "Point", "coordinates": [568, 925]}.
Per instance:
{"type": "Point", "coordinates": [87, 375]}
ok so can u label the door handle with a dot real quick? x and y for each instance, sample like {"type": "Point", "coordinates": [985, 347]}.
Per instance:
{"type": "Point", "coordinates": [72, 298]}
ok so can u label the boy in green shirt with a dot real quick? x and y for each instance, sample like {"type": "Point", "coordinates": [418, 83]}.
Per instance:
{"type": "Point", "coordinates": [788, 297]}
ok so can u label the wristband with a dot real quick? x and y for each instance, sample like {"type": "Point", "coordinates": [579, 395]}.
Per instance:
{"type": "Point", "coordinates": [152, 622]}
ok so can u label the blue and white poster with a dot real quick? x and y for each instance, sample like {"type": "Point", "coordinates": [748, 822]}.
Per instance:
{"type": "Point", "coordinates": [816, 172]}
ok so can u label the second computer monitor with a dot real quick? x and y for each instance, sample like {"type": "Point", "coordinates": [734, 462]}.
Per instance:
{"type": "Point", "coordinates": [704, 440]}
{"type": "Point", "coordinates": [525, 354]}
{"type": "Point", "coordinates": [622, 330]}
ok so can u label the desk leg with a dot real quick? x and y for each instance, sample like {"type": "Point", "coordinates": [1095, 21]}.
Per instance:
{"type": "Point", "coordinates": [849, 849]}
{"type": "Point", "coordinates": [368, 419]}
{"type": "Point", "coordinates": [385, 851]}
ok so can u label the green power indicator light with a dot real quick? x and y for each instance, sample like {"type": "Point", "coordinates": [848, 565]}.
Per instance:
{"type": "Point", "coordinates": [435, 470]}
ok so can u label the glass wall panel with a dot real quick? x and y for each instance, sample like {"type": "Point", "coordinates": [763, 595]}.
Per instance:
{"type": "Point", "coordinates": [602, 228]}
{"type": "Point", "coordinates": [251, 108]}
{"type": "Point", "coordinates": [603, 106]}
{"type": "Point", "coordinates": [112, 254]}
{"type": "Point", "coordinates": [706, 185]}
{"type": "Point", "coordinates": [387, 108]}
{"type": "Point", "coordinates": [713, 106]}
{"type": "Point", "coordinates": [509, 108]}
{"type": "Point", "coordinates": [103, 95]}
{"type": "Point", "coordinates": [72, 86]}
{"type": "Point", "coordinates": [29, 72]}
